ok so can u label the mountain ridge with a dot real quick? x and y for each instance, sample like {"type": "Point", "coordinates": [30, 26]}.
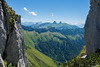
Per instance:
{"type": "Point", "coordinates": [59, 25]}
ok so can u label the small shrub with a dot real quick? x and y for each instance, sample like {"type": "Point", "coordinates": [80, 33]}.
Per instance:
{"type": "Point", "coordinates": [17, 16]}
{"type": "Point", "coordinates": [5, 63]}
{"type": "Point", "coordinates": [10, 65]}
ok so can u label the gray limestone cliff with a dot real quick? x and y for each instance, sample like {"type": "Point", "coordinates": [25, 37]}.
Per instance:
{"type": "Point", "coordinates": [12, 46]}
{"type": "Point", "coordinates": [92, 27]}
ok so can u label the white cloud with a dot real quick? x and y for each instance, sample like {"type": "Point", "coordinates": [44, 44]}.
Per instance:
{"type": "Point", "coordinates": [25, 9]}
{"type": "Point", "coordinates": [33, 13]}
{"type": "Point", "coordinates": [52, 14]}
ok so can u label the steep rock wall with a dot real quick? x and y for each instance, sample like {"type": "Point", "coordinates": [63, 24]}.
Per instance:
{"type": "Point", "coordinates": [12, 46]}
{"type": "Point", "coordinates": [92, 27]}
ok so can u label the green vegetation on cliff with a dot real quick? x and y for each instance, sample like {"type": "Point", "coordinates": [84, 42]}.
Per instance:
{"type": "Point", "coordinates": [89, 61]}
{"type": "Point", "coordinates": [12, 17]}
{"type": "Point", "coordinates": [83, 52]}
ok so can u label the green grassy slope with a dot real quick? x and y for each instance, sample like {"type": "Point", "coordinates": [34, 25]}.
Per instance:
{"type": "Point", "coordinates": [37, 59]}
{"type": "Point", "coordinates": [27, 39]}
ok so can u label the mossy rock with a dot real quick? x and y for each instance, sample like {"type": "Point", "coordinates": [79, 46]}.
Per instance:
{"type": "Point", "coordinates": [12, 18]}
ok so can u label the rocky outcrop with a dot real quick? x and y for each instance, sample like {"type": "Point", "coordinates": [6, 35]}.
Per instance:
{"type": "Point", "coordinates": [12, 46]}
{"type": "Point", "coordinates": [92, 27]}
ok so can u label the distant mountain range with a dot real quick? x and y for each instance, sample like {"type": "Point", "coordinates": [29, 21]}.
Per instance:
{"type": "Point", "coordinates": [59, 25]}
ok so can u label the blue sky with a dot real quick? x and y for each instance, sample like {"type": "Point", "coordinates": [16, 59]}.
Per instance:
{"type": "Point", "coordinates": [69, 11]}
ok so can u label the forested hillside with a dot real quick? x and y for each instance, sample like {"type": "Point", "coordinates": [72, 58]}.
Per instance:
{"type": "Point", "coordinates": [60, 45]}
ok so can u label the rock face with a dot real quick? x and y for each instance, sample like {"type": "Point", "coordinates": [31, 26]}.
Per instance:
{"type": "Point", "coordinates": [92, 27]}
{"type": "Point", "coordinates": [1, 62]}
{"type": "Point", "coordinates": [12, 46]}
